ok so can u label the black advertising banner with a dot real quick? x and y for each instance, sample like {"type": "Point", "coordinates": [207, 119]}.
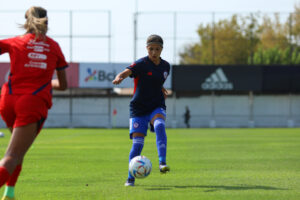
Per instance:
{"type": "Point", "coordinates": [295, 79]}
{"type": "Point", "coordinates": [192, 78]}
{"type": "Point", "coordinates": [281, 79]}
{"type": "Point", "coordinates": [276, 78]}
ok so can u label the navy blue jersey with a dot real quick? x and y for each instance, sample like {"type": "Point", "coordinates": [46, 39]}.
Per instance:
{"type": "Point", "coordinates": [148, 83]}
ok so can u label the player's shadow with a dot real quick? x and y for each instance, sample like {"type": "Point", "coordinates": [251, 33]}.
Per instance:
{"type": "Point", "coordinates": [213, 188]}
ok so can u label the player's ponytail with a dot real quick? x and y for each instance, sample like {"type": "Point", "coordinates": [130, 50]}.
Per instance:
{"type": "Point", "coordinates": [36, 21]}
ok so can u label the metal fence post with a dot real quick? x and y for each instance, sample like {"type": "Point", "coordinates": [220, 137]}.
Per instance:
{"type": "Point", "coordinates": [251, 118]}
{"type": "Point", "coordinates": [71, 59]}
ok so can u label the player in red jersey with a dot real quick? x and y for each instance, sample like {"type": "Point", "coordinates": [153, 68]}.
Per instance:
{"type": "Point", "coordinates": [26, 97]}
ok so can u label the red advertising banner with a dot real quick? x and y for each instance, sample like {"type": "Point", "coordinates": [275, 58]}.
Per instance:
{"type": "Point", "coordinates": [72, 74]}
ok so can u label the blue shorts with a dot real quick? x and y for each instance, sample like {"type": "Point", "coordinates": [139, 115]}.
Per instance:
{"type": "Point", "coordinates": [140, 124]}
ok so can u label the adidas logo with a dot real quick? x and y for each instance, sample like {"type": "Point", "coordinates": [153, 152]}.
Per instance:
{"type": "Point", "coordinates": [217, 81]}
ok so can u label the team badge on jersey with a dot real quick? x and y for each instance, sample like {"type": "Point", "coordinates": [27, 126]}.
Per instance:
{"type": "Point", "coordinates": [165, 74]}
{"type": "Point", "coordinates": [135, 125]}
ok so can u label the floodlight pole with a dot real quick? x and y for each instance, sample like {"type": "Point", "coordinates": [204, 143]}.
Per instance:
{"type": "Point", "coordinates": [109, 61]}
{"type": "Point", "coordinates": [71, 60]}
{"type": "Point", "coordinates": [136, 5]}
{"type": "Point", "coordinates": [175, 37]}
{"type": "Point", "coordinates": [135, 37]}
{"type": "Point", "coordinates": [213, 38]}
{"type": "Point", "coordinates": [109, 36]}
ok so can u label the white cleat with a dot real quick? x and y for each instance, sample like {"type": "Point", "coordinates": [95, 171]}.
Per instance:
{"type": "Point", "coordinates": [129, 182]}
{"type": "Point", "coordinates": [164, 169]}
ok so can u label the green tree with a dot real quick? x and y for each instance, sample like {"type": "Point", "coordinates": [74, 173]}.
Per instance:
{"type": "Point", "coordinates": [279, 43]}
{"type": "Point", "coordinates": [226, 42]}
{"type": "Point", "coordinates": [276, 56]}
{"type": "Point", "coordinates": [273, 34]}
{"type": "Point", "coordinates": [242, 40]}
{"type": "Point", "coordinates": [294, 23]}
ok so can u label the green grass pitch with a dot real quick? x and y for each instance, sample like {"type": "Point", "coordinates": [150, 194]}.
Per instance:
{"type": "Point", "coordinates": [208, 164]}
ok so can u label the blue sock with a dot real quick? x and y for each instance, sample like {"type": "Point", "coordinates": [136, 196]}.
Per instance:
{"type": "Point", "coordinates": [161, 139]}
{"type": "Point", "coordinates": [136, 150]}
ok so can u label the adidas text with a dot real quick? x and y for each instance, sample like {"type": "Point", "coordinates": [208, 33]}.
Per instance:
{"type": "Point", "coordinates": [217, 81]}
{"type": "Point", "coordinates": [217, 86]}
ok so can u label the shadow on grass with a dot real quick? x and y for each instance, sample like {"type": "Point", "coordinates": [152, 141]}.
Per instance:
{"type": "Point", "coordinates": [213, 188]}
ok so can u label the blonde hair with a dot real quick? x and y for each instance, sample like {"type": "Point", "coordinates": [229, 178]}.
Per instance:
{"type": "Point", "coordinates": [36, 21]}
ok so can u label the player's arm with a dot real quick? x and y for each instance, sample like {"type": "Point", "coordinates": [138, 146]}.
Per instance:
{"type": "Point", "coordinates": [121, 76]}
{"type": "Point", "coordinates": [61, 82]}
{"type": "Point", "coordinates": [4, 46]}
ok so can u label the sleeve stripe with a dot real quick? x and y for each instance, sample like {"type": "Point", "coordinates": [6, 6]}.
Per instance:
{"type": "Point", "coordinates": [61, 68]}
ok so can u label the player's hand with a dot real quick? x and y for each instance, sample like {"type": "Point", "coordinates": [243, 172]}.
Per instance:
{"type": "Point", "coordinates": [165, 92]}
{"type": "Point", "coordinates": [117, 80]}
{"type": "Point", "coordinates": [121, 76]}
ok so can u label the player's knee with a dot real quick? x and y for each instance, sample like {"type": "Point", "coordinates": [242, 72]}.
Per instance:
{"type": "Point", "coordinates": [10, 162]}
{"type": "Point", "coordinates": [159, 124]}
{"type": "Point", "coordinates": [12, 159]}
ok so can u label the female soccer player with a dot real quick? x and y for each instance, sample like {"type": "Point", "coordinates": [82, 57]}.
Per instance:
{"type": "Point", "coordinates": [148, 102]}
{"type": "Point", "coordinates": [26, 97]}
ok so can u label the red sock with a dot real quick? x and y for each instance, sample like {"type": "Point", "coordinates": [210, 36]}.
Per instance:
{"type": "Point", "coordinates": [14, 176]}
{"type": "Point", "coordinates": [4, 175]}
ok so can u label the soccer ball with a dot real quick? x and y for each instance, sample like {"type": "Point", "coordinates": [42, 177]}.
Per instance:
{"type": "Point", "coordinates": [140, 167]}
{"type": "Point", "coordinates": [1, 134]}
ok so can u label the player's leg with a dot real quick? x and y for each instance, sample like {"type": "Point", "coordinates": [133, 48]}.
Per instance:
{"type": "Point", "coordinates": [30, 114]}
{"type": "Point", "coordinates": [138, 131]}
{"type": "Point", "coordinates": [21, 140]}
{"type": "Point", "coordinates": [8, 114]}
{"type": "Point", "coordinates": [158, 121]}
{"type": "Point", "coordinates": [9, 192]}
{"type": "Point", "coordinates": [136, 150]}
{"type": "Point", "coordinates": [18, 146]}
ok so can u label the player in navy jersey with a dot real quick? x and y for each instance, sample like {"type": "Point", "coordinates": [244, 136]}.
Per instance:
{"type": "Point", "coordinates": [148, 102]}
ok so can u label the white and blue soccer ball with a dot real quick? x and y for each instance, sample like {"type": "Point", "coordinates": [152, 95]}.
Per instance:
{"type": "Point", "coordinates": [140, 167]}
{"type": "Point", "coordinates": [1, 134]}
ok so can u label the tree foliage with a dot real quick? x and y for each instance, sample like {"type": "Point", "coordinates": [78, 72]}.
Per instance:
{"type": "Point", "coordinates": [252, 39]}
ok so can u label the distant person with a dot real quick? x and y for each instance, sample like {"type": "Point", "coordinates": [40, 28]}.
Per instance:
{"type": "Point", "coordinates": [187, 117]}
{"type": "Point", "coordinates": [148, 102]}
{"type": "Point", "coordinates": [26, 97]}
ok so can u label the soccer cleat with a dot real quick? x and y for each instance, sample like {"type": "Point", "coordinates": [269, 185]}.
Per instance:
{"type": "Point", "coordinates": [164, 168]}
{"type": "Point", "coordinates": [129, 182]}
{"type": "Point", "coordinates": [7, 198]}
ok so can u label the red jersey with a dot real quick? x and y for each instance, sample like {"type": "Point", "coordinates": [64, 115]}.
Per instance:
{"type": "Point", "coordinates": [33, 62]}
